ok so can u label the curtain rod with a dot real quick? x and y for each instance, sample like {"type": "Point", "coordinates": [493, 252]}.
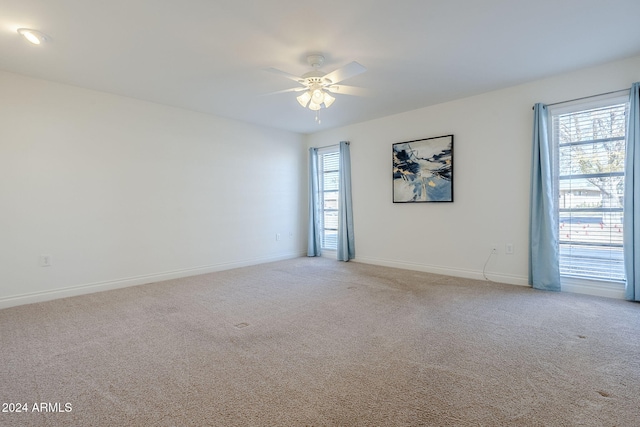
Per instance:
{"type": "Point", "coordinates": [333, 145]}
{"type": "Point", "coordinates": [587, 97]}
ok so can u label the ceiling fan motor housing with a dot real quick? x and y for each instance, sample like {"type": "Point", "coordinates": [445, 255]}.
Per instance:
{"type": "Point", "coordinates": [314, 77]}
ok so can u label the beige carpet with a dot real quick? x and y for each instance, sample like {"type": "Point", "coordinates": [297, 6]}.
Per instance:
{"type": "Point", "coordinates": [321, 343]}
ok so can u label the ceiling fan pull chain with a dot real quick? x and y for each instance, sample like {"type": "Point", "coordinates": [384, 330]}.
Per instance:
{"type": "Point", "coordinates": [318, 117]}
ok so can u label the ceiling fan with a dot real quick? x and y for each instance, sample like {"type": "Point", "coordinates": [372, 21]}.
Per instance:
{"type": "Point", "coordinates": [317, 86]}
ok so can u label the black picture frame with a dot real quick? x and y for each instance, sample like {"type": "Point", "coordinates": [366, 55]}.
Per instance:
{"type": "Point", "coordinates": [423, 170]}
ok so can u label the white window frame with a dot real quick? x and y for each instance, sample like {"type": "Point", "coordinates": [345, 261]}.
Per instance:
{"type": "Point", "coordinates": [597, 287]}
{"type": "Point", "coordinates": [321, 199]}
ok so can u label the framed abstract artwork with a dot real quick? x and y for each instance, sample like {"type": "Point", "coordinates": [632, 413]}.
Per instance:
{"type": "Point", "coordinates": [423, 170]}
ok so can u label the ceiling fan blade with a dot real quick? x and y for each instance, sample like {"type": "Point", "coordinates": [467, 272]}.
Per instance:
{"type": "Point", "coordinates": [347, 90]}
{"type": "Point", "coordinates": [346, 72]}
{"type": "Point", "coordinates": [290, 76]}
{"type": "Point", "coordinates": [293, 89]}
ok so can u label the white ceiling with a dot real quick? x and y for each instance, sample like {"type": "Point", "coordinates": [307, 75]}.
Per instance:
{"type": "Point", "coordinates": [211, 55]}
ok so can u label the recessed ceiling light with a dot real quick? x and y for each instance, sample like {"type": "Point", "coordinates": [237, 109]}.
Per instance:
{"type": "Point", "coordinates": [33, 36]}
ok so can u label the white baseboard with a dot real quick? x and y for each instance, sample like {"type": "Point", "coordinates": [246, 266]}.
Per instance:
{"type": "Point", "coordinates": [447, 271]}
{"type": "Point", "coordinates": [601, 289]}
{"type": "Point", "coordinates": [33, 297]}
{"type": "Point", "coordinates": [595, 288]}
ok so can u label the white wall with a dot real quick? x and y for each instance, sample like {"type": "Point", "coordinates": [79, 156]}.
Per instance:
{"type": "Point", "coordinates": [121, 192]}
{"type": "Point", "coordinates": [492, 152]}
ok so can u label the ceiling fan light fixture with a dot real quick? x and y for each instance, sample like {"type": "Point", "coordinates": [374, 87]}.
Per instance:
{"type": "Point", "coordinates": [32, 36]}
{"type": "Point", "coordinates": [313, 106]}
{"type": "Point", "coordinates": [317, 96]}
{"type": "Point", "coordinates": [304, 98]}
{"type": "Point", "coordinates": [328, 100]}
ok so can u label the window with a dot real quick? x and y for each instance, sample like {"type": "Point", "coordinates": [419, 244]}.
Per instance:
{"type": "Point", "coordinates": [590, 144]}
{"type": "Point", "coordinates": [329, 187]}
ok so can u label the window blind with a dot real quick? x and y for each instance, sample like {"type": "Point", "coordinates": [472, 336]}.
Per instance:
{"type": "Point", "coordinates": [329, 179]}
{"type": "Point", "coordinates": [590, 172]}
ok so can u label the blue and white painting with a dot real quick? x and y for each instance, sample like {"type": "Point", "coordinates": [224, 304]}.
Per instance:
{"type": "Point", "coordinates": [423, 170]}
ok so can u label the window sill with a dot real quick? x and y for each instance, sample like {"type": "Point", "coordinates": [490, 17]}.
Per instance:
{"type": "Point", "coordinates": [592, 287]}
{"type": "Point", "coordinates": [329, 253]}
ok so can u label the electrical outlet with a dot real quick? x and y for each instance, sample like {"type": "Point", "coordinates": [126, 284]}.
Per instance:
{"type": "Point", "coordinates": [508, 249]}
{"type": "Point", "coordinates": [45, 260]}
{"type": "Point", "coordinates": [494, 249]}
{"type": "Point", "coordinates": [277, 236]}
